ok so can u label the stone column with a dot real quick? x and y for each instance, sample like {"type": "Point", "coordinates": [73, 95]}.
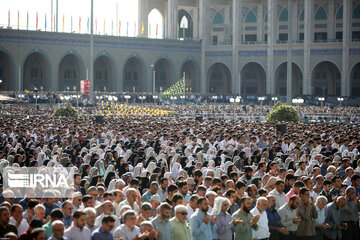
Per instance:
{"type": "Point", "coordinates": [204, 35]}
{"type": "Point", "coordinates": [331, 24]}
{"type": "Point", "coordinates": [172, 15]}
{"type": "Point", "coordinates": [272, 9]}
{"type": "Point", "coordinates": [295, 22]}
{"type": "Point", "coordinates": [345, 76]}
{"type": "Point", "coordinates": [260, 24]}
{"type": "Point", "coordinates": [143, 12]}
{"type": "Point", "coordinates": [236, 23]}
{"type": "Point", "coordinates": [289, 59]}
{"type": "Point", "coordinates": [308, 36]}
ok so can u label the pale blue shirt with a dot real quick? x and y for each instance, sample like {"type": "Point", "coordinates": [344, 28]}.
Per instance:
{"type": "Point", "coordinates": [165, 228]}
{"type": "Point", "coordinates": [321, 215]}
{"type": "Point", "coordinates": [200, 230]}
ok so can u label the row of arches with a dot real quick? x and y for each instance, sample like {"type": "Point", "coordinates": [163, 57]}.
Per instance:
{"type": "Point", "coordinates": [325, 79]}
{"type": "Point", "coordinates": [36, 73]}
{"type": "Point", "coordinates": [325, 76]}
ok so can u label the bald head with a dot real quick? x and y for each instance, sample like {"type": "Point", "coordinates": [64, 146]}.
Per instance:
{"type": "Point", "coordinates": [340, 202]}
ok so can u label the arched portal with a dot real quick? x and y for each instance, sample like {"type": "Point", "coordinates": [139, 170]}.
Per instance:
{"type": "Point", "coordinates": [253, 80]}
{"type": "Point", "coordinates": [156, 24]}
{"type": "Point", "coordinates": [219, 79]}
{"type": "Point", "coordinates": [355, 81]}
{"type": "Point", "coordinates": [104, 79]}
{"type": "Point", "coordinates": [185, 24]}
{"type": "Point", "coordinates": [70, 73]}
{"type": "Point", "coordinates": [134, 75]}
{"type": "Point", "coordinates": [281, 80]}
{"type": "Point", "coordinates": [6, 72]}
{"type": "Point", "coordinates": [36, 73]}
{"type": "Point", "coordinates": [325, 79]}
{"type": "Point", "coordinates": [191, 76]}
{"type": "Point", "coordinates": [164, 75]}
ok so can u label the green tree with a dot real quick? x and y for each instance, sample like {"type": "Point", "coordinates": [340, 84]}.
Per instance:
{"type": "Point", "coordinates": [67, 111]}
{"type": "Point", "coordinates": [283, 113]}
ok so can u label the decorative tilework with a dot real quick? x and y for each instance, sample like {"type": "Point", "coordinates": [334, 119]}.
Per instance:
{"type": "Point", "coordinates": [354, 50]}
{"type": "Point", "coordinates": [83, 43]}
{"type": "Point", "coordinates": [252, 53]}
{"type": "Point", "coordinates": [250, 28]}
{"type": "Point", "coordinates": [284, 52]}
{"type": "Point", "coordinates": [325, 51]}
{"type": "Point", "coordinates": [218, 29]}
{"type": "Point", "coordinates": [301, 26]}
{"type": "Point", "coordinates": [282, 27]}
{"type": "Point", "coordinates": [218, 53]}
{"type": "Point", "coordinates": [356, 24]}
{"type": "Point", "coordinates": [320, 25]}
{"type": "Point", "coordinates": [339, 25]}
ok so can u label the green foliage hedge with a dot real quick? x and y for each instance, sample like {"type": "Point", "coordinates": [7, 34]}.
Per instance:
{"type": "Point", "coordinates": [283, 113]}
{"type": "Point", "coordinates": [67, 111]}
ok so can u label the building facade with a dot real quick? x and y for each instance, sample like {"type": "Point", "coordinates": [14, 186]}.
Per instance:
{"type": "Point", "coordinates": [239, 47]}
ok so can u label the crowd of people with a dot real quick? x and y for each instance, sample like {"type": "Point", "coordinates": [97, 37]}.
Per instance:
{"type": "Point", "coordinates": [144, 177]}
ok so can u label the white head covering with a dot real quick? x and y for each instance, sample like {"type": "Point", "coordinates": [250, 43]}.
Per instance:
{"type": "Point", "coordinates": [218, 205]}
{"type": "Point", "coordinates": [175, 170]}
{"type": "Point", "coordinates": [151, 167]}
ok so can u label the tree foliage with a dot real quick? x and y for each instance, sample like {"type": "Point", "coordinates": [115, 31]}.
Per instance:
{"type": "Point", "coordinates": [283, 113]}
{"type": "Point", "coordinates": [67, 111]}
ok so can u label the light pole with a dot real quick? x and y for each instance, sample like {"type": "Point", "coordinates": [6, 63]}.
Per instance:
{"type": "Point", "coordinates": [77, 99]}
{"type": "Point", "coordinates": [274, 99]}
{"type": "Point", "coordinates": [36, 99]}
{"type": "Point", "coordinates": [153, 78]}
{"type": "Point", "coordinates": [232, 101]}
{"type": "Point", "coordinates": [340, 100]}
{"type": "Point", "coordinates": [155, 97]}
{"type": "Point", "coordinates": [261, 99]}
{"type": "Point", "coordinates": [142, 98]}
{"type": "Point", "coordinates": [214, 98]}
{"type": "Point", "coordinates": [182, 99]}
{"type": "Point", "coordinates": [321, 99]}
{"type": "Point", "coordinates": [127, 97]}
{"type": "Point", "coordinates": [173, 99]}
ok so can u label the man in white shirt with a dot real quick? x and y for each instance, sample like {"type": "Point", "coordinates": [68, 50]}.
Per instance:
{"type": "Point", "coordinates": [128, 230]}
{"type": "Point", "coordinates": [192, 206]}
{"type": "Point", "coordinates": [130, 200]}
{"type": "Point", "coordinates": [263, 226]}
{"type": "Point", "coordinates": [108, 209]}
{"type": "Point", "coordinates": [78, 231]}
{"type": "Point", "coordinates": [279, 195]}
{"type": "Point", "coordinates": [17, 219]}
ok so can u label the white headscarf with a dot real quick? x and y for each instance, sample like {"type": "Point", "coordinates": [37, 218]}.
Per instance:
{"type": "Point", "coordinates": [175, 170]}
{"type": "Point", "coordinates": [41, 158]}
{"type": "Point", "coordinates": [151, 167]}
{"type": "Point", "coordinates": [218, 202]}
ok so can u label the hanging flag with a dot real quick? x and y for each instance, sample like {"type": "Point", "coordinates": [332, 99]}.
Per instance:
{"type": "Point", "coordinates": [104, 25]}
{"type": "Point", "coordinates": [178, 29]}
{"type": "Point", "coordinates": [183, 33]}
{"type": "Point", "coordinates": [164, 31]}
{"type": "Point", "coordinates": [9, 18]}
{"type": "Point", "coordinates": [88, 24]}
{"type": "Point", "coordinates": [149, 29]}
{"type": "Point", "coordinates": [119, 27]}
{"type": "Point", "coordinates": [45, 23]}
{"type": "Point", "coordinates": [157, 26]}
{"type": "Point", "coordinates": [134, 29]}
{"type": "Point", "coordinates": [27, 20]}
{"type": "Point", "coordinates": [55, 24]}
{"type": "Point", "coordinates": [112, 27]}
{"type": "Point", "coordinates": [63, 23]}
{"type": "Point", "coordinates": [80, 24]}
{"type": "Point", "coordinates": [171, 29]}
{"type": "Point", "coordinates": [71, 23]}
{"type": "Point", "coordinates": [18, 19]}
{"type": "Point", "coordinates": [127, 29]}
{"type": "Point", "coordinates": [142, 28]}
{"type": "Point", "coordinates": [37, 20]}
{"type": "Point", "coordinates": [96, 25]}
